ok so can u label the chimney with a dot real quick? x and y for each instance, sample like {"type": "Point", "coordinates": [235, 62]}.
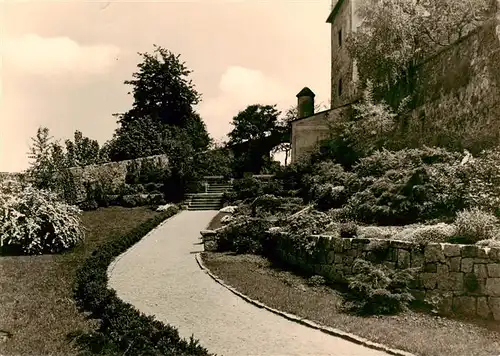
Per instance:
{"type": "Point", "coordinates": [305, 103]}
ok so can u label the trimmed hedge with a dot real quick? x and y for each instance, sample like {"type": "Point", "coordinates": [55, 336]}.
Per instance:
{"type": "Point", "coordinates": [122, 328]}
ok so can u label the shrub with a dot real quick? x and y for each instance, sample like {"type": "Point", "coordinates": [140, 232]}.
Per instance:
{"type": "Point", "coordinates": [122, 328]}
{"type": "Point", "coordinates": [150, 171]}
{"type": "Point", "coordinates": [128, 201]}
{"type": "Point", "coordinates": [309, 223]}
{"type": "Point", "coordinates": [348, 230]}
{"type": "Point", "coordinates": [88, 205]}
{"type": "Point", "coordinates": [376, 289]}
{"type": "Point", "coordinates": [247, 187]}
{"type": "Point", "coordinates": [133, 171]}
{"type": "Point", "coordinates": [379, 162]}
{"type": "Point", "coordinates": [474, 225]}
{"type": "Point", "coordinates": [316, 281]}
{"type": "Point", "coordinates": [244, 235]}
{"type": "Point", "coordinates": [153, 187]}
{"type": "Point", "coordinates": [430, 233]}
{"type": "Point", "coordinates": [36, 221]}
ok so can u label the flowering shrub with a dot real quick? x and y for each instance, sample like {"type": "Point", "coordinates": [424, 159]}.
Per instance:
{"type": "Point", "coordinates": [475, 225]}
{"type": "Point", "coordinates": [36, 221]}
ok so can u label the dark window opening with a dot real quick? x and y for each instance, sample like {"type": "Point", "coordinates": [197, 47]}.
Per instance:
{"type": "Point", "coordinates": [340, 87]}
{"type": "Point", "coordinates": [340, 37]}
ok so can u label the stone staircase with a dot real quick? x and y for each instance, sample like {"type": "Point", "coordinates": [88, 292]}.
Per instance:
{"type": "Point", "coordinates": [211, 199]}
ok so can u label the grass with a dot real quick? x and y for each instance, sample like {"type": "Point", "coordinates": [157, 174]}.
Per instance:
{"type": "Point", "coordinates": [36, 304]}
{"type": "Point", "coordinates": [412, 331]}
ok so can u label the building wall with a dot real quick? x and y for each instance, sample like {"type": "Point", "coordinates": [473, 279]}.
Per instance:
{"type": "Point", "coordinates": [457, 93]}
{"type": "Point", "coordinates": [342, 67]}
{"type": "Point", "coordinates": [308, 132]}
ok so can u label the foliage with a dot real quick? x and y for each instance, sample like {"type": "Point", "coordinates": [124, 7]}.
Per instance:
{"type": "Point", "coordinates": [396, 35]}
{"type": "Point", "coordinates": [348, 230]}
{"type": "Point", "coordinates": [255, 127]}
{"type": "Point", "coordinates": [83, 151]}
{"type": "Point", "coordinates": [121, 327]}
{"type": "Point", "coordinates": [376, 289]}
{"type": "Point", "coordinates": [244, 235]}
{"type": "Point", "coordinates": [163, 108]}
{"type": "Point", "coordinates": [316, 281]}
{"type": "Point", "coordinates": [36, 221]}
{"type": "Point", "coordinates": [43, 168]}
{"type": "Point", "coordinates": [474, 225]}
{"type": "Point", "coordinates": [312, 222]}
{"type": "Point", "coordinates": [369, 127]}
{"type": "Point", "coordinates": [218, 161]}
{"type": "Point", "coordinates": [440, 232]}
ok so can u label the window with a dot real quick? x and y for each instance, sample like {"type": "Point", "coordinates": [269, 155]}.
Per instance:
{"type": "Point", "coordinates": [339, 90]}
{"type": "Point", "coordinates": [340, 37]}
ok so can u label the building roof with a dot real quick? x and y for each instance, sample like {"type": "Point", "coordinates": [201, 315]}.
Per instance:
{"type": "Point", "coordinates": [306, 92]}
{"type": "Point", "coordinates": [335, 11]}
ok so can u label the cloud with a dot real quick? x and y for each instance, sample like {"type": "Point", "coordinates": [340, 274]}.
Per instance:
{"type": "Point", "coordinates": [50, 56]}
{"type": "Point", "coordinates": [238, 88]}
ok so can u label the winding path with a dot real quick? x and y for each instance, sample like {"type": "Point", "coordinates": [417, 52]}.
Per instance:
{"type": "Point", "coordinates": [160, 276]}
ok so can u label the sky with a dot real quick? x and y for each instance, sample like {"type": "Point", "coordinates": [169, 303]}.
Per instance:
{"type": "Point", "coordinates": [63, 63]}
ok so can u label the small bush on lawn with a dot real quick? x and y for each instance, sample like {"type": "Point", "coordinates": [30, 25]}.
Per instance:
{"type": "Point", "coordinates": [122, 328]}
{"type": "Point", "coordinates": [36, 221]}
{"type": "Point", "coordinates": [376, 289]}
{"type": "Point", "coordinates": [474, 225]}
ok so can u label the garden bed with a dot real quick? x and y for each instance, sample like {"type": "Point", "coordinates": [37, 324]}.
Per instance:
{"type": "Point", "coordinates": [37, 290]}
{"type": "Point", "coordinates": [416, 332]}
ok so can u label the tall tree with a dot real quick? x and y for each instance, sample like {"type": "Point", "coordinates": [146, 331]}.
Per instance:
{"type": "Point", "coordinates": [255, 122]}
{"type": "Point", "coordinates": [257, 125]}
{"type": "Point", "coordinates": [163, 96]}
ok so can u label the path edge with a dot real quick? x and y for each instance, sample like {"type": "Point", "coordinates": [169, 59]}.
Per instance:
{"type": "Point", "coordinates": [311, 324]}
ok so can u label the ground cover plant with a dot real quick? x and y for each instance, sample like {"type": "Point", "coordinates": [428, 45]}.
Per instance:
{"type": "Point", "coordinates": [37, 290]}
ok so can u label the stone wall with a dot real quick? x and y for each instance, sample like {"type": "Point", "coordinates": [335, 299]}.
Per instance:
{"type": "Point", "coordinates": [112, 172]}
{"type": "Point", "coordinates": [457, 93]}
{"type": "Point", "coordinates": [464, 279]}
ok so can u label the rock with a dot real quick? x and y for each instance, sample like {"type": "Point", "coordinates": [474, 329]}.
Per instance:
{"type": "Point", "coordinates": [483, 309]}
{"type": "Point", "coordinates": [434, 253]}
{"type": "Point", "coordinates": [467, 264]}
{"type": "Point", "coordinates": [164, 207]}
{"type": "Point", "coordinates": [451, 250]}
{"type": "Point", "coordinates": [464, 305]}
{"type": "Point", "coordinates": [403, 259]}
{"type": "Point", "coordinates": [494, 304]}
{"type": "Point", "coordinates": [454, 264]}
{"type": "Point", "coordinates": [228, 209]}
{"type": "Point", "coordinates": [493, 287]}
{"type": "Point", "coordinates": [493, 270]}
{"type": "Point", "coordinates": [4, 335]}
{"type": "Point", "coordinates": [454, 281]}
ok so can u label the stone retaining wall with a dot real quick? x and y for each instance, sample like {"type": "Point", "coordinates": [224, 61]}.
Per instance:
{"type": "Point", "coordinates": [464, 279]}
{"type": "Point", "coordinates": [112, 172]}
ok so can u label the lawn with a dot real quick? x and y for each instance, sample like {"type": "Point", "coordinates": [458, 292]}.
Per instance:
{"type": "Point", "coordinates": [36, 304]}
{"type": "Point", "coordinates": [416, 332]}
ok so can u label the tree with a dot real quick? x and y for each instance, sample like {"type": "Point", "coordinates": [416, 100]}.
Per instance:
{"type": "Point", "coordinates": [163, 96]}
{"type": "Point", "coordinates": [253, 127]}
{"type": "Point", "coordinates": [255, 122]}
{"type": "Point", "coordinates": [82, 151]}
{"type": "Point", "coordinates": [42, 169]}
{"type": "Point", "coordinates": [395, 35]}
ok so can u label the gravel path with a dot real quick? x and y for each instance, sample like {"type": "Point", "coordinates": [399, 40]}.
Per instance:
{"type": "Point", "coordinates": [159, 275]}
